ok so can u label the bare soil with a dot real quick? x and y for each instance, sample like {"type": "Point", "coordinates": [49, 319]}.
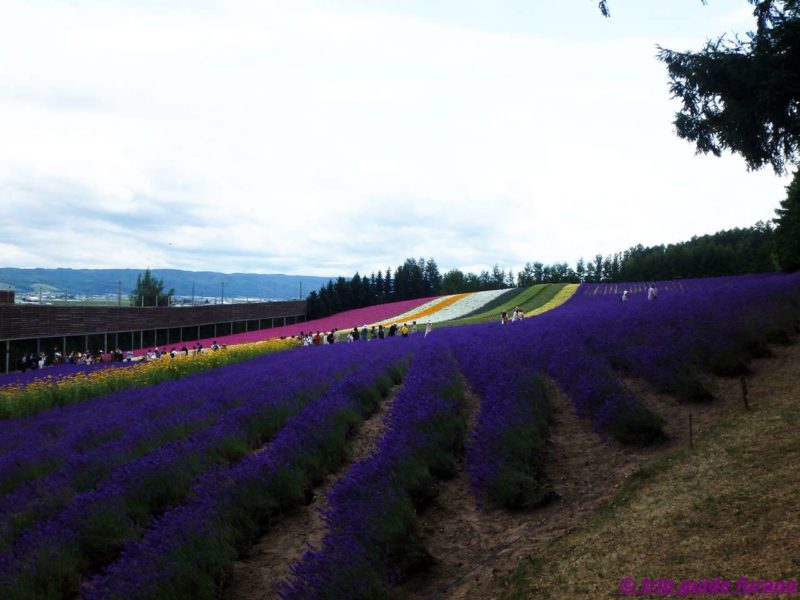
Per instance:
{"type": "Point", "coordinates": [302, 529]}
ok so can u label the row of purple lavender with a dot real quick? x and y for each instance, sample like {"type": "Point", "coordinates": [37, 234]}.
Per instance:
{"type": "Point", "coordinates": [583, 348]}
{"type": "Point", "coordinates": [188, 548]}
{"type": "Point", "coordinates": [371, 539]}
{"type": "Point", "coordinates": [695, 326]}
{"type": "Point", "coordinates": [63, 533]}
{"type": "Point", "coordinates": [159, 488]}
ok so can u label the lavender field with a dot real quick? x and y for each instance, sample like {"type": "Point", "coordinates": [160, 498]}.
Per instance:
{"type": "Point", "coordinates": [154, 492]}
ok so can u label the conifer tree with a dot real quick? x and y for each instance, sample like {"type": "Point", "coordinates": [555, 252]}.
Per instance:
{"type": "Point", "coordinates": [787, 233]}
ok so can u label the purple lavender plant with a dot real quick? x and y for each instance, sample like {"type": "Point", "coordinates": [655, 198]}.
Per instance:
{"type": "Point", "coordinates": [371, 539]}
{"type": "Point", "coordinates": [186, 550]}
{"type": "Point", "coordinates": [89, 528]}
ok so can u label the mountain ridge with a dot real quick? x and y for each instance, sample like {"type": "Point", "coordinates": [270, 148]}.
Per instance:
{"type": "Point", "coordinates": [97, 282]}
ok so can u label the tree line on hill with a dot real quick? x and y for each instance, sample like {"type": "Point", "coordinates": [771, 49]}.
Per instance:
{"type": "Point", "coordinates": [731, 252]}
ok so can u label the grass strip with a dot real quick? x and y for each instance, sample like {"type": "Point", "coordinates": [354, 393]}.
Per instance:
{"type": "Point", "coordinates": [506, 298]}
{"type": "Point", "coordinates": [529, 300]}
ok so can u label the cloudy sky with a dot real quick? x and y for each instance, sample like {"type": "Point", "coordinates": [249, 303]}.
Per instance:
{"type": "Point", "coordinates": [324, 137]}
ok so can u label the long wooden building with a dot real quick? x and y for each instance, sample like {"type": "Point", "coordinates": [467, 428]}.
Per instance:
{"type": "Point", "coordinates": [35, 328]}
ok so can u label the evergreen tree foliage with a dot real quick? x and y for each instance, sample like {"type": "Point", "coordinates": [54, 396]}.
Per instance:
{"type": "Point", "coordinates": [740, 94]}
{"type": "Point", "coordinates": [149, 291]}
{"type": "Point", "coordinates": [452, 282]}
{"type": "Point", "coordinates": [787, 234]}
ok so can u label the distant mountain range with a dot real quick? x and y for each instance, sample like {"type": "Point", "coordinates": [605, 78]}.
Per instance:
{"type": "Point", "coordinates": [97, 282]}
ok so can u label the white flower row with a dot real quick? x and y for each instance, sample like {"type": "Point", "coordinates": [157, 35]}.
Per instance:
{"type": "Point", "coordinates": [464, 306]}
{"type": "Point", "coordinates": [409, 313]}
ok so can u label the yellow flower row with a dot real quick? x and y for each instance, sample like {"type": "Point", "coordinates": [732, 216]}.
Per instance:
{"type": "Point", "coordinates": [431, 309]}
{"type": "Point", "coordinates": [562, 296]}
{"type": "Point", "coordinates": [20, 400]}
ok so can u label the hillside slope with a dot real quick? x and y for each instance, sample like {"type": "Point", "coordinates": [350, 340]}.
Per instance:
{"type": "Point", "coordinates": [716, 511]}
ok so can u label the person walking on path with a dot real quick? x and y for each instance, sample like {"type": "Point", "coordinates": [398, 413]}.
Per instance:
{"type": "Point", "coordinates": [624, 297]}
{"type": "Point", "coordinates": [651, 292]}
{"type": "Point", "coordinates": [404, 330]}
{"type": "Point", "coordinates": [428, 328]}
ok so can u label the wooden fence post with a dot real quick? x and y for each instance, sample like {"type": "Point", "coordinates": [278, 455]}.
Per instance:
{"type": "Point", "coordinates": [744, 392]}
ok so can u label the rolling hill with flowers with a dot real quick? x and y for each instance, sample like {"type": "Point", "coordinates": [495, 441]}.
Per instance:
{"type": "Point", "coordinates": [396, 467]}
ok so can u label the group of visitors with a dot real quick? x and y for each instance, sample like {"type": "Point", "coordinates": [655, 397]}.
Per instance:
{"type": "Point", "coordinates": [33, 360]}
{"type": "Point", "coordinates": [365, 333]}
{"type": "Point", "coordinates": [652, 294]}
{"type": "Point", "coordinates": [196, 348]}
{"type": "Point", "coordinates": [516, 315]}
{"type": "Point", "coordinates": [40, 360]}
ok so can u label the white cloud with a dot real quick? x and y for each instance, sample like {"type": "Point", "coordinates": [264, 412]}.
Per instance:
{"type": "Point", "coordinates": [317, 141]}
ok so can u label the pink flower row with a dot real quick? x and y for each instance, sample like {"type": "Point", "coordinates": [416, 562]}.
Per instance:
{"type": "Point", "coordinates": [342, 321]}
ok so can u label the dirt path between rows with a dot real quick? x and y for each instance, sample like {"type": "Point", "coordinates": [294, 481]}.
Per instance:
{"type": "Point", "coordinates": [474, 550]}
{"type": "Point", "coordinates": [269, 560]}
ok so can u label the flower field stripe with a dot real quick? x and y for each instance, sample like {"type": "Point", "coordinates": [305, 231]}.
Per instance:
{"type": "Point", "coordinates": [504, 301]}
{"type": "Point", "coordinates": [522, 298]}
{"type": "Point", "coordinates": [528, 300]}
{"type": "Point", "coordinates": [18, 380]}
{"type": "Point", "coordinates": [186, 551]}
{"type": "Point", "coordinates": [465, 305]}
{"type": "Point", "coordinates": [41, 443]}
{"type": "Point", "coordinates": [371, 539]}
{"type": "Point", "coordinates": [507, 449]}
{"type": "Point", "coordinates": [560, 298]}
{"type": "Point", "coordinates": [494, 356]}
{"type": "Point", "coordinates": [716, 325]}
{"type": "Point", "coordinates": [45, 393]}
{"type": "Point", "coordinates": [93, 525]}
{"type": "Point", "coordinates": [38, 497]}
{"type": "Point", "coordinates": [343, 320]}
{"type": "Point", "coordinates": [433, 309]}
{"type": "Point", "coordinates": [404, 316]}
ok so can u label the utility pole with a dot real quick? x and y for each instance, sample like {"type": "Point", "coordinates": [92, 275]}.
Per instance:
{"type": "Point", "coordinates": [222, 297]}
{"type": "Point", "coordinates": [301, 289]}
{"type": "Point", "coordinates": [193, 293]}
{"type": "Point", "coordinates": [119, 293]}
{"type": "Point", "coordinates": [40, 295]}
